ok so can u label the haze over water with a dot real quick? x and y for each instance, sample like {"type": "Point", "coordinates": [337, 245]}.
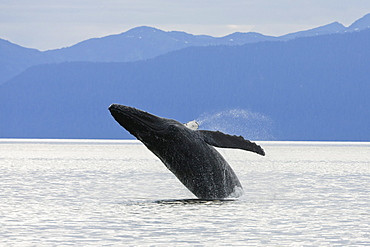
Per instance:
{"type": "Point", "coordinates": [100, 192]}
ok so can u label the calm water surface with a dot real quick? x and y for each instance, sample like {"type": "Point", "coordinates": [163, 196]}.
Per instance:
{"type": "Point", "coordinates": [95, 193]}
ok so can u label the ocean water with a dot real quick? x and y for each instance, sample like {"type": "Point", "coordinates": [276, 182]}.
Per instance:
{"type": "Point", "coordinates": [117, 193]}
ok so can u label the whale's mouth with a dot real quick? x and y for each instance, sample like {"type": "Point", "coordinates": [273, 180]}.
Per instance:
{"type": "Point", "coordinates": [129, 117]}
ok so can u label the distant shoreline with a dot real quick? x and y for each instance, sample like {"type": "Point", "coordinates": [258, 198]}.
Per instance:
{"type": "Point", "coordinates": [132, 141]}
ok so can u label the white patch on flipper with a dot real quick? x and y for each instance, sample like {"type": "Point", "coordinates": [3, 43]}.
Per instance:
{"type": "Point", "coordinates": [238, 192]}
{"type": "Point", "coordinates": [193, 125]}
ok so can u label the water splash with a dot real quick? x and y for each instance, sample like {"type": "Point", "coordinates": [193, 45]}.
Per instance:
{"type": "Point", "coordinates": [237, 192]}
{"type": "Point", "coordinates": [193, 125]}
{"type": "Point", "coordinates": [251, 125]}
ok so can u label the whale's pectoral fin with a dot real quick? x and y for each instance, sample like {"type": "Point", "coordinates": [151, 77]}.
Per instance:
{"type": "Point", "coordinates": [221, 140]}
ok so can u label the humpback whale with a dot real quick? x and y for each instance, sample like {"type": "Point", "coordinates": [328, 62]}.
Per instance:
{"type": "Point", "coordinates": [187, 152]}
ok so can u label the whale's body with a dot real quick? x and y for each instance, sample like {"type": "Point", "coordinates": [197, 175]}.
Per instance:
{"type": "Point", "coordinates": [186, 152]}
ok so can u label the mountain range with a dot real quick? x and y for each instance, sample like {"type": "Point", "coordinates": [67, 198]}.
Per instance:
{"type": "Point", "coordinates": [142, 43]}
{"type": "Point", "coordinates": [310, 87]}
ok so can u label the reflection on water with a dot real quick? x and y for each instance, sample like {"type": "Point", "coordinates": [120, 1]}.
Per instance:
{"type": "Point", "coordinates": [194, 201]}
{"type": "Point", "coordinates": [70, 192]}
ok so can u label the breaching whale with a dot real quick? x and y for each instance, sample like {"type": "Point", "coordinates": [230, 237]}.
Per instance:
{"type": "Point", "coordinates": [187, 152]}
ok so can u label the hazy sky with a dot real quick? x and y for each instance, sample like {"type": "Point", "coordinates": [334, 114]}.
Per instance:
{"type": "Point", "coordinates": [50, 24]}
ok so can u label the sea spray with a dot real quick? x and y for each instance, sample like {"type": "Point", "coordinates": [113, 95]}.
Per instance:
{"type": "Point", "coordinates": [251, 125]}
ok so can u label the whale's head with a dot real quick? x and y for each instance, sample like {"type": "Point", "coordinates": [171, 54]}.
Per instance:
{"type": "Point", "coordinates": [140, 124]}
